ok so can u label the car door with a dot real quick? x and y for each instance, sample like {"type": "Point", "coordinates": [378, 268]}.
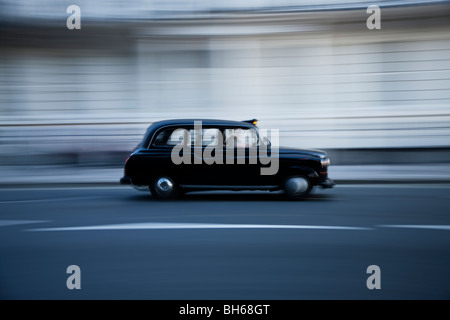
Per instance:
{"type": "Point", "coordinates": [192, 150]}
{"type": "Point", "coordinates": [207, 155]}
{"type": "Point", "coordinates": [241, 165]}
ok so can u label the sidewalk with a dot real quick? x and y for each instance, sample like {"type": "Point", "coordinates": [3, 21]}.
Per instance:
{"type": "Point", "coordinates": [432, 173]}
{"type": "Point", "coordinates": [23, 176]}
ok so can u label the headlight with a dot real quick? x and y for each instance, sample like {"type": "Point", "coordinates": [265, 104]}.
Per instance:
{"type": "Point", "coordinates": [325, 162]}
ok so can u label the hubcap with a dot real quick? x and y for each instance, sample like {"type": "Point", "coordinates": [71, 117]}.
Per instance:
{"type": "Point", "coordinates": [296, 185]}
{"type": "Point", "coordinates": [164, 186]}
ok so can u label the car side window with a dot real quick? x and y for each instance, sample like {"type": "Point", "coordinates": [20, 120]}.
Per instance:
{"type": "Point", "coordinates": [241, 138]}
{"type": "Point", "coordinates": [171, 137]}
{"type": "Point", "coordinates": [168, 137]}
{"type": "Point", "coordinates": [208, 137]}
{"type": "Point", "coordinates": [176, 137]}
{"type": "Point", "coordinates": [211, 137]}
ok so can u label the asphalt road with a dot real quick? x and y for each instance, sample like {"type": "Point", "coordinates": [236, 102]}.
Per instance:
{"type": "Point", "coordinates": [226, 246]}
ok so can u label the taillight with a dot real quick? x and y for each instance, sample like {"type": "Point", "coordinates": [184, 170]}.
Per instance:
{"type": "Point", "coordinates": [124, 167]}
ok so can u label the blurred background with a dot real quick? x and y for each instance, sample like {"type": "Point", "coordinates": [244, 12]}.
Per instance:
{"type": "Point", "coordinates": [74, 103]}
{"type": "Point", "coordinates": [309, 68]}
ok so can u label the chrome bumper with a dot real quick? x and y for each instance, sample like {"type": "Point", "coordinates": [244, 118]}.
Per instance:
{"type": "Point", "coordinates": [328, 183]}
{"type": "Point", "coordinates": [125, 180]}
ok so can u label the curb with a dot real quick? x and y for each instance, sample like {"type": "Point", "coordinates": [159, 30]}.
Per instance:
{"type": "Point", "coordinates": [394, 181]}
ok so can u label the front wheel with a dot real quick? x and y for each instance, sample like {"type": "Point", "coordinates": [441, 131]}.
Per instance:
{"type": "Point", "coordinates": [297, 187]}
{"type": "Point", "coordinates": [164, 187]}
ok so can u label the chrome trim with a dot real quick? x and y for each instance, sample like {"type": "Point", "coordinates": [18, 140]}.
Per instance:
{"type": "Point", "coordinates": [325, 162]}
{"type": "Point", "coordinates": [164, 186]}
{"type": "Point", "coordinates": [328, 183]}
{"type": "Point", "coordinates": [296, 185]}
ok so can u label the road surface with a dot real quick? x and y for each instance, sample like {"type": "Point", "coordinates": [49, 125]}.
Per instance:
{"type": "Point", "coordinates": [226, 246]}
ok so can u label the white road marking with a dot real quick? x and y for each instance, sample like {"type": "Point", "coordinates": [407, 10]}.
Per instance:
{"type": "Point", "coordinates": [4, 223]}
{"type": "Point", "coordinates": [412, 226]}
{"type": "Point", "coordinates": [155, 225]}
{"type": "Point", "coordinates": [174, 226]}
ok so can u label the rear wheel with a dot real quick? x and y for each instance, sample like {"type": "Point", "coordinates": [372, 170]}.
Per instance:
{"type": "Point", "coordinates": [297, 186]}
{"type": "Point", "coordinates": [164, 187]}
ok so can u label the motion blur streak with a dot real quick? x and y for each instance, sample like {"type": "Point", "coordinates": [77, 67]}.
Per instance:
{"type": "Point", "coordinates": [309, 68]}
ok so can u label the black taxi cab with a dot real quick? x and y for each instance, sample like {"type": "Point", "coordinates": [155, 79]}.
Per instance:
{"type": "Point", "coordinates": [182, 155]}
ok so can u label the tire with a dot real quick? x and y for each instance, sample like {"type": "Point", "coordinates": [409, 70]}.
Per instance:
{"type": "Point", "coordinates": [297, 187]}
{"type": "Point", "coordinates": [164, 187]}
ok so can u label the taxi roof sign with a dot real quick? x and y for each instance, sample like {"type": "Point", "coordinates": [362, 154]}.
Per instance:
{"type": "Point", "coordinates": [252, 121]}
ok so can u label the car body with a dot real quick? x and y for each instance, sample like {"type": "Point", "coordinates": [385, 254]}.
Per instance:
{"type": "Point", "coordinates": [155, 163]}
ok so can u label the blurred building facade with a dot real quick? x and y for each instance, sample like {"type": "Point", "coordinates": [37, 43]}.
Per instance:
{"type": "Point", "coordinates": [309, 68]}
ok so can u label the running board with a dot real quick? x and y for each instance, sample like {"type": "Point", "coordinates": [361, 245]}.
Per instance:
{"type": "Point", "coordinates": [228, 187]}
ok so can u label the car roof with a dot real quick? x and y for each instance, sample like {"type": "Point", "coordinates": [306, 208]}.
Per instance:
{"type": "Point", "coordinates": [204, 121]}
